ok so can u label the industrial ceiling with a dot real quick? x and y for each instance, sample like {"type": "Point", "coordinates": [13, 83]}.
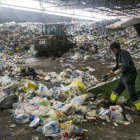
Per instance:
{"type": "Point", "coordinates": [123, 8]}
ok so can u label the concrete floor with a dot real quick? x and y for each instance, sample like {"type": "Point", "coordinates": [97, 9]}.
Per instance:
{"type": "Point", "coordinates": [101, 132]}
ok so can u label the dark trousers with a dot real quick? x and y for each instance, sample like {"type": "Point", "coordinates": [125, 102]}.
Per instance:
{"type": "Point", "coordinates": [127, 82]}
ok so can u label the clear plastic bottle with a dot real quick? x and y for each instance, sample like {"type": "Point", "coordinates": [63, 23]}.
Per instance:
{"type": "Point", "coordinates": [69, 129]}
{"type": "Point", "coordinates": [51, 128]}
{"type": "Point", "coordinates": [81, 99]}
{"type": "Point", "coordinates": [16, 106]}
{"type": "Point", "coordinates": [35, 138]}
{"type": "Point", "coordinates": [63, 97]}
{"type": "Point", "coordinates": [129, 118]}
{"type": "Point", "coordinates": [40, 129]}
{"type": "Point", "coordinates": [22, 118]}
{"type": "Point", "coordinates": [67, 109]}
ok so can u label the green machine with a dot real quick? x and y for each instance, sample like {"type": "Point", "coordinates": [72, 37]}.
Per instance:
{"type": "Point", "coordinates": [108, 88]}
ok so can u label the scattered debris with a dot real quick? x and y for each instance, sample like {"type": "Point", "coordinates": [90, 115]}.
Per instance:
{"type": "Point", "coordinates": [12, 125]}
{"type": "Point", "coordinates": [12, 134]}
{"type": "Point", "coordinates": [35, 138]}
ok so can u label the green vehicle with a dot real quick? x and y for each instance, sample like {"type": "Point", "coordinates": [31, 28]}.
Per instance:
{"type": "Point", "coordinates": [107, 89]}
{"type": "Point", "coordinates": [53, 41]}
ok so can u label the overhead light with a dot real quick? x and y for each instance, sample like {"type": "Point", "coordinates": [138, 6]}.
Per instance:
{"type": "Point", "coordinates": [83, 3]}
{"type": "Point", "coordinates": [70, 15]}
{"type": "Point", "coordinates": [49, 12]}
{"type": "Point", "coordinates": [78, 14]}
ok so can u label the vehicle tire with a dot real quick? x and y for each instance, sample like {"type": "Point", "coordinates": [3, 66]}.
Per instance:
{"type": "Point", "coordinates": [59, 50]}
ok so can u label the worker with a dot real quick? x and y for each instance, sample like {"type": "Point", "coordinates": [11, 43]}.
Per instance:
{"type": "Point", "coordinates": [124, 65]}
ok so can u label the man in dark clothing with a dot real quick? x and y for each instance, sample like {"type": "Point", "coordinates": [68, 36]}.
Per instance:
{"type": "Point", "coordinates": [124, 65]}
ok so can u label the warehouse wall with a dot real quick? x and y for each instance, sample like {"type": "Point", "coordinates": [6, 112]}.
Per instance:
{"type": "Point", "coordinates": [9, 14]}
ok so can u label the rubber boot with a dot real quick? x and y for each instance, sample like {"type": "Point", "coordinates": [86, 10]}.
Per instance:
{"type": "Point", "coordinates": [137, 105]}
{"type": "Point", "coordinates": [113, 99]}
{"type": "Point", "coordinates": [108, 103]}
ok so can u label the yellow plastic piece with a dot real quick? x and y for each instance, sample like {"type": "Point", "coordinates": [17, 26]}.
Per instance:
{"type": "Point", "coordinates": [113, 97]}
{"type": "Point", "coordinates": [29, 85]}
{"type": "Point", "coordinates": [80, 85]}
{"type": "Point", "coordinates": [137, 105]}
{"type": "Point", "coordinates": [64, 126]}
{"type": "Point", "coordinates": [120, 64]}
{"type": "Point", "coordinates": [69, 121]}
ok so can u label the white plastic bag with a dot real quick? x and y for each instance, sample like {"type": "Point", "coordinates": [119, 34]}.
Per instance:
{"type": "Point", "coordinates": [5, 80]}
{"type": "Point", "coordinates": [41, 89]}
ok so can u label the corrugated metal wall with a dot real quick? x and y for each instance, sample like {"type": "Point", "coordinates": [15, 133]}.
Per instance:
{"type": "Point", "coordinates": [9, 14]}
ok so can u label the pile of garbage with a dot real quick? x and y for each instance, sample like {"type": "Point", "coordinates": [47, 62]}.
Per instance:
{"type": "Point", "coordinates": [19, 37]}
{"type": "Point", "coordinates": [55, 112]}
{"type": "Point", "coordinates": [66, 77]}
{"type": "Point", "coordinates": [93, 40]}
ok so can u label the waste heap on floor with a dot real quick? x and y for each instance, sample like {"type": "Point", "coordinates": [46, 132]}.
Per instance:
{"type": "Point", "coordinates": [19, 37]}
{"type": "Point", "coordinates": [56, 111]}
{"type": "Point", "coordinates": [65, 77]}
{"type": "Point", "coordinates": [93, 40]}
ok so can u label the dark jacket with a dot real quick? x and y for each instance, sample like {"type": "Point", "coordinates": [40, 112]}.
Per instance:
{"type": "Point", "coordinates": [125, 62]}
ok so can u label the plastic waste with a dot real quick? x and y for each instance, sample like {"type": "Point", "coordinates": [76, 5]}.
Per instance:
{"type": "Point", "coordinates": [78, 119]}
{"type": "Point", "coordinates": [67, 109]}
{"type": "Point", "coordinates": [17, 105]}
{"type": "Point", "coordinates": [92, 113]}
{"type": "Point", "coordinates": [122, 99]}
{"type": "Point", "coordinates": [22, 118]}
{"type": "Point", "coordinates": [30, 108]}
{"type": "Point", "coordinates": [29, 86]}
{"type": "Point", "coordinates": [81, 99]}
{"type": "Point", "coordinates": [69, 99]}
{"type": "Point", "coordinates": [74, 90]}
{"type": "Point", "coordinates": [116, 115]}
{"type": "Point", "coordinates": [40, 129]}
{"type": "Point", "coordinates": [77, 56]}
{"type": "Point", "coordinates": [18, 112]}
{"type": "Point", "coordinates": [80, 85]}
{"type": "Point", "coordinates": [41, 89]}
{"type": "Point", "coordinates": [7, 101]}
{"type": "Point", "coordinates": [5, 80]}
{"type": "Point", "coordinates": [44, 121]}
{"type": "Point", "coordinates": [87, 57]}
{"type": "Point", "coordinates": [52, 114]}
{"type": "Point", "coordinates": [51, 128]}
{"type": "Point", "coordinates": [42, 111]}
{"type": "Point", "coordinates": [116, 107]}
{"type": "Point", "coordinates": [82, 109]}
{"type": "Point", "coordinates": [36, 100]}
{"type": "Point", "coordinates": [35, 138]}
{"type": "Point", "coordinates": [10, 88]}
{"type": "Point", "coordinates": [57, 105]}
{"type": "Point", "coordinates": [35, 122]}
{"type": "Point", "coordinates": [44, 102]}
{"type": "Point", "coordinates": [129, 118]}
{"type": "Point", "coordinates": [63, 97]}
{"type": "Point", "coordinates": [68, 129]}
{"type": "Point", "coordinates": [31, 117]}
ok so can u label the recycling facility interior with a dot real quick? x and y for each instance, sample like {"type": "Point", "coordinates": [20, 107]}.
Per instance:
{"type": "Point", "coordinates": [45, 97]}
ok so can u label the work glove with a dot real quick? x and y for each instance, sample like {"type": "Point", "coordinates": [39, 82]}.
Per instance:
{"type": "Point", "coordinates": [105, 78]}
{"type": "Point", "coordinates": [110, 73]}
{"type": "Point", "coordinates": [116, 72]}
